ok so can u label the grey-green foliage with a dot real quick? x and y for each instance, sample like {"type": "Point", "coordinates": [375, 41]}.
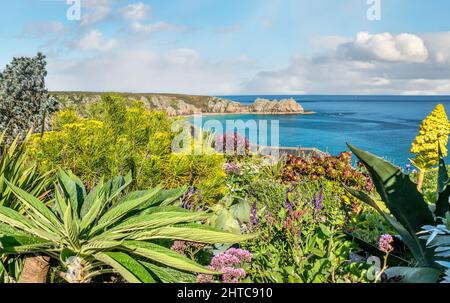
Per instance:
{"type": "Point", "coordinates": [24, 100]}
{"type": "Point", "coordinates": [438, 238]}
{"type": "Point", "coordinates": [408, 211]}
{"type": "Point", "coordinates": [106, 231]}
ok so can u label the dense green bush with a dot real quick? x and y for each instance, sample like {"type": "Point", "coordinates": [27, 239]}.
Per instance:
{"type": "Point", "coordinates": [24, 101]}
{"type": "Point", "coordinates": [116, 136]}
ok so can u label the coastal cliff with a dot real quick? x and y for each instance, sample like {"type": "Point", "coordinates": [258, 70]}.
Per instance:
{"type": "Point", "coordinates": [185, 105]}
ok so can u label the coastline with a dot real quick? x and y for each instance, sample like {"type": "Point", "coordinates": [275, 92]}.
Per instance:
{"type": "Point", "coordinates": [305, 113]}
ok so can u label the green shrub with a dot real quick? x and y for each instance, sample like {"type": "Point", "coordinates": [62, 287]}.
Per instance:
{"type": "Point", "coordinates": [118, 136]}
{"type": "Point", "coordinates": [24, 100]}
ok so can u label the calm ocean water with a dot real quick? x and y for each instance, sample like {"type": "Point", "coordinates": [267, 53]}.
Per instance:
{"type": "Point", "coordinates": [384, 125]}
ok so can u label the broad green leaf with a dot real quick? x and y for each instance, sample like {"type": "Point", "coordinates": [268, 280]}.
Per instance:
{"type": "Point", "coordinates": [91, 198]}
{"type": "Point", "coordinates": [412, 241]}
{"type": "Point", "coordinates": [35, 205]}
{"type": "Point", "coordinates": [193, 234]}
{"type": "Point", "coordinates": [158, 219]}
{"type": "Point", "coordinates": [169, 196]}
{"type": "Point", "coordinates": [93, 213]}
{"type": "Point", "coordinates": [241, 211]}
{"type": "Point", "coordinates": [25, 249]}
{"type": "Point", "coordinates": [71, 228]}
{"type": "Point", "coordinates": [169, 275]}
{"type": "Point", "coordinates": [73, 189]}
{"type": "Point", "coordinates": [13, 218]}
{"type": "Point", "coordinates": [96, 246]}
{"type": "Point", "coordinates": [118, 211]}
{"type": "Point", "coordinates": [400, 196]}
{"type": "Point", "coordinates": [165, 256]}
{"type": "Point", "coordinates": [130, 269]}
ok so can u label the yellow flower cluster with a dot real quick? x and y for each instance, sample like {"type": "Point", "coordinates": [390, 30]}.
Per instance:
{"type": "Point", "coordinates": [433, 130]}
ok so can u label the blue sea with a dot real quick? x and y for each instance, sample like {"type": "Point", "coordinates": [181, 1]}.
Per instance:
{"type": "Point", "coordinates": [384, 125]}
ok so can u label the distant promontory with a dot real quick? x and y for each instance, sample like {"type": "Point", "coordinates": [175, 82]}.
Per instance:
{"type": "Point", "coordinates": [185, 105]}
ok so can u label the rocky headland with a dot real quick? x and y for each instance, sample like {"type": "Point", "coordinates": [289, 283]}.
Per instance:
{"type": "Point", "coordinates": [185, 105]}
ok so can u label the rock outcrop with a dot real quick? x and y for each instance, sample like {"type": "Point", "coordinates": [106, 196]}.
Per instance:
{"type": "Point", "coordinates": [184, 105]}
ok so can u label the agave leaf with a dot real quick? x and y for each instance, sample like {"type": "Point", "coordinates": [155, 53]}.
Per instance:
{"type": "Point", "coordinates": [8, 249]}
{"type": "Point", "coordinates": [443, 203]}
{"type": "Point", "coordinates": [60, 201]}
{"type": "Point", "coordinates": [401, 197]}
{"type": "Point", "coordinates": [443, 179]}
{"type": "Point", "coordinates": [35, 205]}
{"type": "Point", "coordinates": [169, 275]}
{"type": "Point", "coordinates": [8, 230]}
{"type": "Point", "coordinates": [193, 233]}
{"type": "Point", "coordinates": [169, 196]}
{"type": "Point", "coordinates": [14, 219]}
{"type": "Point", "coordinates": [115, 186]}
{"type": "Point", "coordinates": [73, 189]}
{"type": "Point", "coordinates": [439, 240]}
{"type": "Point", "coordinates": [93, 213]}
{"type": "Point", "coordinates": [118, 211]}
{"type": "Point", "coordinates": [130, 269]}
{"type": "Point", "coordinates": [91, 198]}
{"type": "Point", "coordinates": [413, 274]}
{"type": "Point", "coordinates": [96, 246]}
{"type": "Point", "coordinates": [158, 219]}
{"type": "Point", "coordinates": [415, 245]}
{"type": "Point", "coordinates": [165, 256]}
{"type": "Point", "coordinates": [71, 228]}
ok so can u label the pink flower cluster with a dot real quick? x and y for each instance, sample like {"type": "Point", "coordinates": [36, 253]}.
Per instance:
{"type": "Point", "coordinates": [181, 246]}
{"type": "Point", "coordinates": [228, 263]}
{"type": "Point", "coordinates": [232, 168]}
{"type": "Point", "coordinates": [385, 243]}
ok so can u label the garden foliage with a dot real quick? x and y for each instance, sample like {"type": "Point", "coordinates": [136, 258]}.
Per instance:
{"type": "Point", "coordinates": [24, 101]}
{"type": "Point", "coordinates": [115, 136]}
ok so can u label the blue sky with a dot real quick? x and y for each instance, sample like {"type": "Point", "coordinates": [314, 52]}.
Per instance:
{"type": "Point", "coordinates": [235, 46]}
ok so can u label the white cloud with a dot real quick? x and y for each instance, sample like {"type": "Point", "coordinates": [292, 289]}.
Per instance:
{"type": "Point", "coordinates": [403, 47]}
{"type": "Point", "coordinates": [364, 64]}
{"type": "Point", "coordinates": [382, 64]}
{"type": "Point", "coordinates": [138, 70]}
{"type": "Point", "coordinates": [94, 40]}
{"type": "Point", "coordinates": [135, 11]}
{"type": "Point", "coordinates": [94, 11]}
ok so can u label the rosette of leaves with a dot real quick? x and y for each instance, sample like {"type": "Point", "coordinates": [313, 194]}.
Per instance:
{"type": "Point", "coordinates": [107, 232]}
{"type": "Point", "coordinates": [438, 238]}
{"type": "Point", "coordinates": [408, 211]}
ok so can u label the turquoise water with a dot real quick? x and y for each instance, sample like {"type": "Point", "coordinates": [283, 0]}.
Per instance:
{"type": "Point", "coordinates": [384, 125]}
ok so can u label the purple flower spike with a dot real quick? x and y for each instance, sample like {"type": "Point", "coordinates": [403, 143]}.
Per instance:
{"type": "Point", "coordinates": [318, 200]}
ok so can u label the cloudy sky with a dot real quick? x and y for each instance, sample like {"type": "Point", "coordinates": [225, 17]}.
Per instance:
{"type": "Point", "coordinates": [235, 46]}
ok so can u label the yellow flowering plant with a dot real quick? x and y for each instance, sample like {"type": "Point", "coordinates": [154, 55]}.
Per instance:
{"type": "Point", "coordinates": [433, 134]}
{"type": "Point", "coordinates": [114, 136]}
